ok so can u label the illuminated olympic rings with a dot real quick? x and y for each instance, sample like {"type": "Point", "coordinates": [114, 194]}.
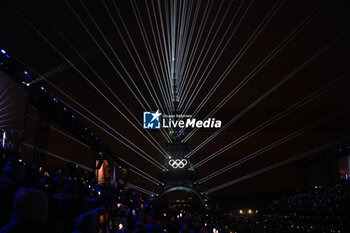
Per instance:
{"type": "Point", "coordinates": [177, 163]}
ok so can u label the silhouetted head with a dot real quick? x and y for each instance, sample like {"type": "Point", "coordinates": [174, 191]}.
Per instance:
{"type": "Point", "coordinates": [30, 207]}
{"type": "Point", "coordinates": [14, 172]}
{"type": "Point", "coordinates": [87, 223]}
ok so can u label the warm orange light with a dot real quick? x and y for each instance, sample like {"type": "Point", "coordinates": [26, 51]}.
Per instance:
{"type": "Point", "coordinates": [101, 218]}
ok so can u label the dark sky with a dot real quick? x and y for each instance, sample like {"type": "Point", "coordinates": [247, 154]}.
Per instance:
{"type": "Point", "coordinates": [309, 40]}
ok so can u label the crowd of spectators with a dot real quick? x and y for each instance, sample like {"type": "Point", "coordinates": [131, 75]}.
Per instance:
{"type": "Point", "coordinates": [320, 209]}
{"type": "Point", "coordinates": [34, 199]}
{"type": "Point", "coordinates": [330, 201]}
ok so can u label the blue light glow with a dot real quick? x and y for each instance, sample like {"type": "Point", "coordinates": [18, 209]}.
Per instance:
{"type": "Point", "coordinates": [73, 116]}
{"type": "Point", "coordinates": [65, 109]}
{"type": "Point", "coordinates": [3, 51]}
{"type": "Point", "coordinates": [25, 72]}
{"type": "Point", "coordinates": [54, 99]}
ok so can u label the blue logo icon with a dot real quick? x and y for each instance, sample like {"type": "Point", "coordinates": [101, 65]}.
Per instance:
{"type": "Point", "coordinates": [151, 120]}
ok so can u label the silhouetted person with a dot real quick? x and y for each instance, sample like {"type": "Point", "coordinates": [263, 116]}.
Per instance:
{"type": "Point", "coordinates": [86, 223]}
{"type": "Point", "coordinates": [12, 175]}
{"type": "Point", "coordinates": [29, 213]}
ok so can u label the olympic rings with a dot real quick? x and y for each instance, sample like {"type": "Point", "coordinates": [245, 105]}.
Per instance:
{"type": "Point", "coordinates": [178, 163]}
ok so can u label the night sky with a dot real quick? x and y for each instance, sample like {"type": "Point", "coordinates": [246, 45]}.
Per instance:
{"type": "Point", "coordinates": [270, 54]}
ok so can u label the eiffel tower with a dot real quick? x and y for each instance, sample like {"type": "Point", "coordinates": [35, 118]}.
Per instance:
{"type": "Point", "coordinates": [180, 175]}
